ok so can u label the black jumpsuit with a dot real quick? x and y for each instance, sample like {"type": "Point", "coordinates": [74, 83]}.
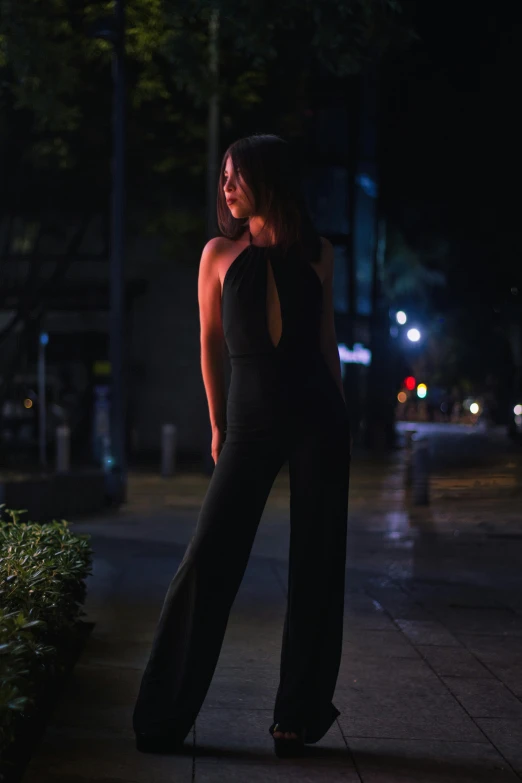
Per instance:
{"type": "Point", "coordinates": [283, 404]}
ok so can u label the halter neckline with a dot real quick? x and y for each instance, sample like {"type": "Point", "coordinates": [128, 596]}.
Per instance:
{"type": "Point", "coordinates": [262, 247]}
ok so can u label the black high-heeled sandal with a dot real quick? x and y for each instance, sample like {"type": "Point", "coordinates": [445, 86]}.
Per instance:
{"type": "Point", "coordinates": [286, 747]}
{"type": "Point", "coordinates": [159, 743]}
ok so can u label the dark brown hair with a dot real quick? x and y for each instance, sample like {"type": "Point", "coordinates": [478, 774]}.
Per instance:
{"type": "Point", "coordinates": [269, 167]}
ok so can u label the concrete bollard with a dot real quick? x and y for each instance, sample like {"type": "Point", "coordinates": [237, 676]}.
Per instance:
{"type": "Point", "coordinates": [168, 449]}
{"type": "Point", "coordinates": [63, 449]}
{"type": "Point", "coordinates": [408, 474]}
{"type": "Point", "coordinates": [421, 472]}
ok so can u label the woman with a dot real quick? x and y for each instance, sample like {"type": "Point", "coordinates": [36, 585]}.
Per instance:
{"type": "Point", "coordinates": [265, 292]}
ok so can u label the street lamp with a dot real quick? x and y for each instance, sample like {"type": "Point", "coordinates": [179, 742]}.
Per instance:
{"type": "Point", "coordinates": [113, 29]}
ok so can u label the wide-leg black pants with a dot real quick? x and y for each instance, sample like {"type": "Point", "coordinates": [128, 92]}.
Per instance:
{"type": "Point", "coordinates": [196, 609]}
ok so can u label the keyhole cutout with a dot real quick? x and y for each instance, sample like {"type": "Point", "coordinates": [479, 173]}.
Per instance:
{"type": "Point", "coordinates": [273, 307]}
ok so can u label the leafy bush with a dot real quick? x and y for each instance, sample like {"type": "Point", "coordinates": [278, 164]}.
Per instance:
{"type": "Point", "coordinates": [42, 589]}
{"type": "Point", "coordinates": [20, 655]}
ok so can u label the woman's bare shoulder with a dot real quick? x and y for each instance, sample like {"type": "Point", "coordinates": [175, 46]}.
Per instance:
{"type": "Point", "coordinates": [221, 246]}
{"type": "Point", "coordinates": [215, 247]}
{"type": "Point", "coordinates": [219, 252]}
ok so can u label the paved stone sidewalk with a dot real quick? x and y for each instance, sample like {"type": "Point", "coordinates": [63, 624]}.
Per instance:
{"type": "Point", "coordinates": [430, 687]}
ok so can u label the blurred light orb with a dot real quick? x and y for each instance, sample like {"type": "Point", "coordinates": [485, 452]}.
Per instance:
{"type": "Point", "coordinates": [474, 408]}
{"type": "Point", "coordinates": [401, 317]}
{"type": "Point", "coordinates": [402, 396]}
{"type": "Point", "coordinates": [413, 335]}
{"type": "Point", "coordinates": [517, 410]}
{"type": "Point", "coordinates": [422, 390]}
{"type": "Point", "coordinates": [28, 403]}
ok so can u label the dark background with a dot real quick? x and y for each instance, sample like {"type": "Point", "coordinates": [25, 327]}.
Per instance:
{"type": "Point", "coordinates": [424, 102]}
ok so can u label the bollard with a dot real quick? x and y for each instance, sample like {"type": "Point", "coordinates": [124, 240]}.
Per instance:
{"type": "Point", "coordinates": [408, 475]}
{"type": "Point", "coordinates": [421, 472]}
{"type": "Point", "coordinates": [168, 449]}
{"type": "Point", "coordinates": [63, 448]}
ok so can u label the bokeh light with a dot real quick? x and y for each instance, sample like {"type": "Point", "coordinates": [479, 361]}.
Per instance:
{"type": "Point", "coordinates": [414, 335]}
{"type": "Point", "coordinates": [474, 408]}
{"type": "Point", "coordinates": [401, 317]}
{"type": "Point", "coordinates": [402, 396]}
{"type": "Point", "coordinates": [422, 390]}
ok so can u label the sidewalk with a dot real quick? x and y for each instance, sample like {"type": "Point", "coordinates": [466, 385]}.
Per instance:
{"type": "Point", "coordinates": [430, 686]}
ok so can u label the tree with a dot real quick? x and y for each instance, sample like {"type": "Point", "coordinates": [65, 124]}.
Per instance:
{"type": "Point", "coordinates": [411, 270]}
{"type": "Point", "coordinates": [55, 92]}
{"type": "Point", "coordinates": [53, 67]}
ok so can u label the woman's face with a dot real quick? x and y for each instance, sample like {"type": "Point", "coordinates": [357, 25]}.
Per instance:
{"type": "Point", "coordinates": [239, 197]}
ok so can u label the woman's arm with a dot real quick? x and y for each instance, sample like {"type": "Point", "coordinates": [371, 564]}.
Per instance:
{"type": "Point", "coordinates": [211, 333]}
{"type": "Point", "coordinates": [328, 337]}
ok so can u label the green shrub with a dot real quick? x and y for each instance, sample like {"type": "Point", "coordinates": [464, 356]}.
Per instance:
{"type": "Point", "coordinates": [42, 589]}
{"type": "Point", "coordinates": [20, 657]}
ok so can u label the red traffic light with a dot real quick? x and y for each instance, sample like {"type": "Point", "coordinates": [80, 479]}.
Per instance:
{"type": "Point", "coordinates": [410, 382]}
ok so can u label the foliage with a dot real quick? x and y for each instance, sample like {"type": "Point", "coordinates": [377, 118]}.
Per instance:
{"type": "Point", "coordinates": [463, 348]}
{"type": "Point", "coordinates": [55, 67]}
{"type": "Point", "coordinates": [176, 227]}
{"type": "Point", "coordinates": [42, 589]}
{"type": "Point", "coordinates": [20, 653]}
{"type": "Point", "coordinates": [410, 272]}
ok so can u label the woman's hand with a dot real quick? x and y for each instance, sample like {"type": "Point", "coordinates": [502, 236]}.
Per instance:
{"type": "Point", "coordinates": [218, 437]}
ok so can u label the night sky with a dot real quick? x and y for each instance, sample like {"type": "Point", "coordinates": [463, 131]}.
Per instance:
{"type": "Point", "coordinates": [452, 138]}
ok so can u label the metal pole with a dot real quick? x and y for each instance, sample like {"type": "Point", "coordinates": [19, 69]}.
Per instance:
{"type": "Point", "coordinates": [118, 476]}
{"type": "Point", "coordinates": [353, 162]}
{"type": "Point", "coordinates": [213, 123]}
{"type": "Point", "coordinates": [63, 449]}
{"type": "Point", "coordinates": [42, 405]}
{"type": "Point", "coordinates": [351, 378]}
